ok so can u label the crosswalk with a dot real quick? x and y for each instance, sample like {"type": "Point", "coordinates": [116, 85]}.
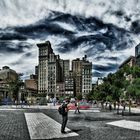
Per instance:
{"type": "Point", "coordinates": [41, 126]}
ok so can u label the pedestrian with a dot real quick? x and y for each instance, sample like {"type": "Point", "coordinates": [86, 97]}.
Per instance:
{"type": "Point", "coordinates": [124, 105]}
{"type": "Point", "coordinates": [110, 106]}
{"type": "Point", "coordinates": [114, 105]}
{"type": "Point", "coordinates": [64, 114]}
{"type": "Point", "coordinates": [77, 107]}
{"type": "Point", "coordinates": [16, 103]}
{"type": "Point", "coordinates": [54, 101]}
{"type": "Point", "coordinates": [106, 104]}
{"type": "Point", "coordinates": [21, 104]}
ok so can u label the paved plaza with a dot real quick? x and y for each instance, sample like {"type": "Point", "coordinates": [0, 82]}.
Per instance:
{"type": "Point", "coordinates": [41, 126]}
{"type": "Point", "coordinates": [134, 125]}
{"type": "Point", "coordinates": [44, 122]}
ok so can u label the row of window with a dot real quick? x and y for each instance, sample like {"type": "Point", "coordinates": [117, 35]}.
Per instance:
{"type": "Point", "coordinates": [86, 87]}
{"type": "Point", "coordinates": [87, 71]}
{"type": "Point", "coordinates": [86, 91]}
{"type": "Point", "coordinates": [69, 88]}
{"type": "Point", "coordinates": [86, 76]}
{"type": "Point", "coordinates": [43, 52]}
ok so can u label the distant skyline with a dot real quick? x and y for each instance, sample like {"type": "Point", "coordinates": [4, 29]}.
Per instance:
{"type": "Point", "coordinates": [106, 31]}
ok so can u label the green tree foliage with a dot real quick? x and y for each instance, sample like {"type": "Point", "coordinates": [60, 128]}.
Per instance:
{"type": "Point", "coordinates": [14, 87]}
{"type": "Point", "coordinates": [115, 85]}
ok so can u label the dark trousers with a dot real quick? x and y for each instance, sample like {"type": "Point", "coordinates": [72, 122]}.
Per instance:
{"type": "Point", "coordinates": [64, 122]}
{"type": "Point", "coordinates": [77, 109]}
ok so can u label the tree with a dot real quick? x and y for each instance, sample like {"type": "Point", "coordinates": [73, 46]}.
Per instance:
{"type": "Point", "coordinates": [135, 70]}
{"type": "Point", "coordinates": [14, 86]}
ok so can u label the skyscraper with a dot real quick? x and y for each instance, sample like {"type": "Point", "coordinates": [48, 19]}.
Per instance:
{"type": "Point", "coordinates": [49, 70]}
{"type": "Point", "coordinates": [44, 51]}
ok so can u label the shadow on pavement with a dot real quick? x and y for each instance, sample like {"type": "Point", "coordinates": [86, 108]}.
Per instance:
{"type": "Point", "coordinates": [74, 130]}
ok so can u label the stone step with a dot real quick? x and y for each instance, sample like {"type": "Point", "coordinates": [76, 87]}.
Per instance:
{"type": "Point", "coordinates": [133, 125]}
{"type": "Point", "coordinates": [41, 126]}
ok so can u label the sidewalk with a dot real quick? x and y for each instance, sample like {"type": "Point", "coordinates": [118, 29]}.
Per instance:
{"type": "Point", "coordinates": [51, 106]}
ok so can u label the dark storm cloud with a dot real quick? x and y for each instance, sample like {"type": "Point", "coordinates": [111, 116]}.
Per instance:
{"type": "Point", "coordinates": [12, 36]}
{"type": "Point", "coordinates": [39, 30]}
{"type": "Point", "coordinates": [127, 18]}
{"type": "Point", "coordinates": [81, 23]}
{"type": "Point", "coordinates": [11, 47]}
{"type": "Point", "coordinates": [98, 74]}
{"type": "Point", "coordinates": [106, 58]}
{"type": "Point", "coordinates": [118, 13]}
{"type": "Point", "coordinates": [135, 26]}
{"type": "Point", "coordinates": [42, 29]}
{"type": "Point", "coordinates": [90, 35]}
{"type": "Point", "coordinates": [89, 40]}
{"type": "Point", "coordinates": [105, 68]}
{"type": "Point", "coordinates": [90, 27]}
{"type": "Point", "coordinates": [113, 36]}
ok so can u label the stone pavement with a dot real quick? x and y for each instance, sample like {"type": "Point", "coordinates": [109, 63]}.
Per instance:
{"type": "Point", "coordinates": [41, 126]}
{"type": "Point", "coordinates": [89, 124]}
{"type": "Point", "coordinates": [13, 125]}
{"type": "Point", "coordinates": [133, 125]}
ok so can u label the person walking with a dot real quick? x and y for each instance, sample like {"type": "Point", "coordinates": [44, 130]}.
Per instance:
{"type": "Point", "coordinates": [77, 107]}
{"type": "Point", "coordinates": [54, 101]}
{"type": "Point", "coordinates": [110, 106]}
{"type": "Point", "coordinates": [64, 114]}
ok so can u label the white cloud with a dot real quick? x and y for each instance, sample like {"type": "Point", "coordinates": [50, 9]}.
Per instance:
{"type": "Point", "coordinates": [15, 12]}
{"type": "Point", "coordinates": [25, 12]}
{"type": "Point", "coordinates": [66, 26]}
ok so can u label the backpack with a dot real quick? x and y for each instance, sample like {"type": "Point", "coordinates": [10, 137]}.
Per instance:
{"type": "Point", "coordinates": [61, 110]}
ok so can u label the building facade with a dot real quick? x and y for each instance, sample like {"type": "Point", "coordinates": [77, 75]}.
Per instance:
{"type": "Point", "coordinates": [69, 84]}
{"type": "Point", "coordinates": [49, 70]}
{"type": "Point", "coordinates": [82, 72]}
{"type": "Point", "coordinates": [55, 78]}
{"type": "Point", "coordinates": [7, 77]}
{"type": "Point", "coordinates": [60, 89]}
{"type": "Point", "coordinates": [65, 65]}
{"type": "Point", "coordinates": [137, 54]}
{"type": "Point", "coordinates": [44, 51]}
{"type": "Point", "coordinates": [86, 76]}
{"type": "Point", "coordinates": [130, 61]}
{"type": "Point", "coordinates": [77, 73]}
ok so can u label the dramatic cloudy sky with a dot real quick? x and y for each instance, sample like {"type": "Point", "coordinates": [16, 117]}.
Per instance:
{"type": "Point", "coordinates": [107, 31]}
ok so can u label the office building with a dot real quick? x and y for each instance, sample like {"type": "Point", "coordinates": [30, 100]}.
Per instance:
{"type": "Point", "coordinates": [49, 70]}
{"type": "Point", "coordinates": [86, 76]}
{"type": "Point", "coordinates": [69, 84]}
{"type": "Point", "coordinates": [82, 72]}
{"type": "Point", "coordinates": [77, 73]}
